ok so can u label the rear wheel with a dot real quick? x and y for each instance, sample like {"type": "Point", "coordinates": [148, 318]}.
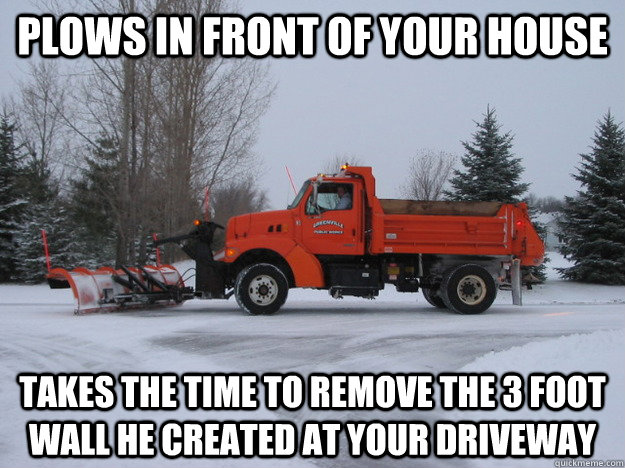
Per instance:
{"type": "Point", "coordinates": [261, 289]}
{"type": "Point", "coordinates": [468, 289]}
{"type": "Point", "coordinates": [433, 297]}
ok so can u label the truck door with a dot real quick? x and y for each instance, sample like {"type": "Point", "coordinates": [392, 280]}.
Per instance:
{"type": "Point", "coordinates": [334, 224]}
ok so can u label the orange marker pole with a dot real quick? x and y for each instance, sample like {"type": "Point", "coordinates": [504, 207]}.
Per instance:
{"type": "Point", "coordinates": [46, 251]}
{"type": "Point", "coordinates": [291, 179]}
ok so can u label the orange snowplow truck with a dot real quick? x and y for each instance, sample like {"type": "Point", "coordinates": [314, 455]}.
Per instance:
{"type": "Point", "coordinates": [338, 236]}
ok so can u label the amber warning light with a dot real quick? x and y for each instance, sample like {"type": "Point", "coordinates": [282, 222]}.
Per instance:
{"type": "Point", "coordinates": [197, 222]}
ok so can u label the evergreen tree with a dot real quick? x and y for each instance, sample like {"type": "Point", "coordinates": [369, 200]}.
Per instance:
{"type": "Point", "coordinates": [92, 203]}
{"type": "Point", "coordinates": [491, 172]}
{"type": "Point", "coordinates": [30, 263]}
{"type": "Point", "coordinates": [45, 210]}
{"type": "Point", "coordinates": [593, 223]}
{"type": "Point", "coordinates": [12, 204]}
{"type": "Point", "coordinates": [36, 181]}
{"type": "Point", "coordinates": [67, 247]}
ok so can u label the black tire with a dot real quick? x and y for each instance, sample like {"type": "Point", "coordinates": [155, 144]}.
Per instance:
{"type": "Point", "coordinates": [468, 289]}
{"type": "Point", "coordinates": [261, 289]}
{"type": "Point", "coordinates": [433, 297]}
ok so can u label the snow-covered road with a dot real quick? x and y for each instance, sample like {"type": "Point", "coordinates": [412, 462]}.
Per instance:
{"type": "Point", "coordinates": [312, 333]}
{"type": "Point", "coordinates": [305, 336]}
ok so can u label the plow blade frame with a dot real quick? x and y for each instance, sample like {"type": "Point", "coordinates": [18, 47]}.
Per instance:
{"type": "Point", "coordinates": [107, 289]}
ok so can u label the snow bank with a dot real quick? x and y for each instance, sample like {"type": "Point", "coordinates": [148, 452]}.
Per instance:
{"type": "Point", "coordinates": [601, 351]}
{"type": "Point", "coordinates": [557, 291]}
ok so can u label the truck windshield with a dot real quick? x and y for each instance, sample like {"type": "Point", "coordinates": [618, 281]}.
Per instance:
{"type": "Point", "coordinates": [299, 195]}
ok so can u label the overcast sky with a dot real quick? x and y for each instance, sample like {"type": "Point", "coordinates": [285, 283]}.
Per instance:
{"type": "Point", "coordinates": [384, 110]}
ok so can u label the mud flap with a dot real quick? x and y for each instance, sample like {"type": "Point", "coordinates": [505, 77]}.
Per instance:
{"type": "Point", "coordinates": [515, 280]}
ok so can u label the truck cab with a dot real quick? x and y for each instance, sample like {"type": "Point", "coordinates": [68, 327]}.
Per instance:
{"type": "Point", "coordinates": [329, 216]}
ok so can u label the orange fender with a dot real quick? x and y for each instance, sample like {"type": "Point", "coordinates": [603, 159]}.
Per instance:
{"type": "Point", "coordinates": [306, 269]}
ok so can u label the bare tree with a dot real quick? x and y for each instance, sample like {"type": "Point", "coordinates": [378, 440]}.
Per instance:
{"type": "Point", "coordinates": [429, 172]}
{"type": "Point", "coordinates": [178, 124]}
{"type": "Point", "coordinates": [235, 198]}
{"type": "Point", "coordinates": [548, 204]}
{"type": "Point", "coordinates": [333, 164]}
{"type": "Point", "coordinates": [41, 106]}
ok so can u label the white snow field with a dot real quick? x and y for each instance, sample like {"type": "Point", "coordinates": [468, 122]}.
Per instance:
{"type": "Point", "coordinates": [563, 327]}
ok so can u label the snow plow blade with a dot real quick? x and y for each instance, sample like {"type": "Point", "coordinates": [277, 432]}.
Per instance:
{"type": "Point", "coordinates": [108, 290]}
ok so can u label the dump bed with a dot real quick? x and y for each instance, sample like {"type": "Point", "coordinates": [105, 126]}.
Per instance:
{"type": "Point", "coordinates": [454, 228]}
{"type": "Point", "coordinates": [446, 208]}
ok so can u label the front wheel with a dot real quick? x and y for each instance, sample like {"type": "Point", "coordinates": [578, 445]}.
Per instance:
{"type": "Point", "coordinates": [261, 289]}
{"type": "Point", "coordinates": [468, 289]}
